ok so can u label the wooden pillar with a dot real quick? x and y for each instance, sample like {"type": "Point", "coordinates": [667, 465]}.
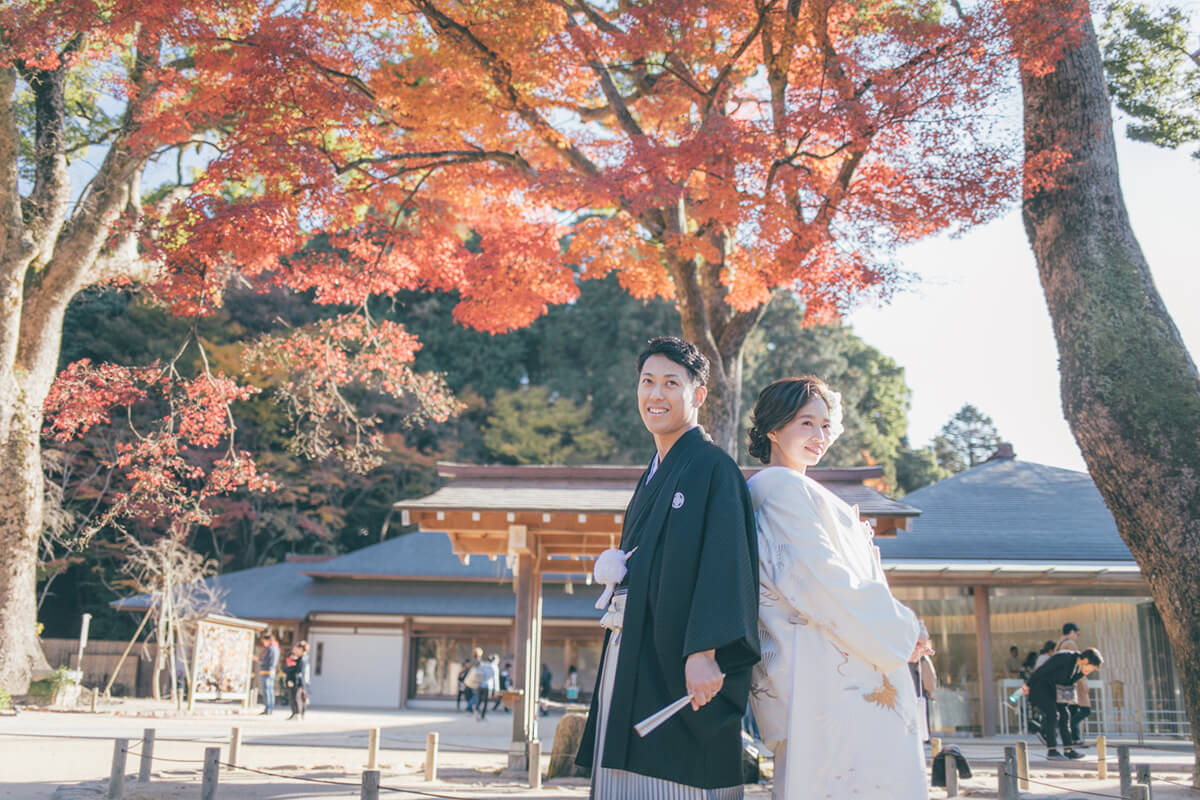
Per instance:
{"type": "Point", "coordinates": [406, 662]}
{"type": "Point", "coordinates": [525, 668]}
{"type": "Point", "coordinates": [983, 654]}
{"type": "Point", "coordinates": [535, 650]}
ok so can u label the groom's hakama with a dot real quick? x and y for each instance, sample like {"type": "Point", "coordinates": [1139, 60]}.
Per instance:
{"type": "Point", "coordinates": [691, 587]}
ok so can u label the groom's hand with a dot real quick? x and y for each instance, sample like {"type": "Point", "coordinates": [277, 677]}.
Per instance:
{"type": "Point", "coordinates": [704, 678]}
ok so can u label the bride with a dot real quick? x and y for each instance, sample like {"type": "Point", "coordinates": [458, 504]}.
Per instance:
{"type": "Point", "coordinates": [832, 695]}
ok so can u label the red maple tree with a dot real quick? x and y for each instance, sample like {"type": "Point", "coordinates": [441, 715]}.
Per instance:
{"type": "Point", "coordinates": [711, 152]}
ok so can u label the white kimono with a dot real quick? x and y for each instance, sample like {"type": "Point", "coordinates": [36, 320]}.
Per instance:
{"type": "Point", "coordinates": [833, 696]}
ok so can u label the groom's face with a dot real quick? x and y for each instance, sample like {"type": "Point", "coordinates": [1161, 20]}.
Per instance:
{"type": "Point", "coordinates": [669, 399]}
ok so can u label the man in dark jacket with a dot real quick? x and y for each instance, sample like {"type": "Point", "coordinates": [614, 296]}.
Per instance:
{"type": "Point", "coordinates": [685, 619]}
{"type": "Point", "coordinates": [1060, 670]}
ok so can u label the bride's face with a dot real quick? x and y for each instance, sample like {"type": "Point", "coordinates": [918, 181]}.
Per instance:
{"type": "Point", "coordinates": [803, 441]}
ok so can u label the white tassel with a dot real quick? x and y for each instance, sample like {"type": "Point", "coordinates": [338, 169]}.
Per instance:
{"type": "Point", "coordinates": [610, 570]}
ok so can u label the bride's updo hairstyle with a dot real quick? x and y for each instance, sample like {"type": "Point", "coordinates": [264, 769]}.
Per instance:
{"type": "Point", "coordinates": [781, 401]}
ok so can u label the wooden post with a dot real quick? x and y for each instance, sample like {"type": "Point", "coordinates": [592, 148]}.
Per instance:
{"type": "Point", "coordinates": [95, 691]}
{"type": "Point", "coordinates": [147, 758]}
{"type": "Point", "coordinates": [212, 773]}
{"type": "Point", "coordinates": [1123, 769]}
{"type": "Point", "coordinates": [373, 748]}
{"type": "Point", "coordinates": [983, 654]}
{"type": "Point", "coordinates": [1023, 765]}
{"type": "Point", "coordinates": [951, 775]}
{"type": "Point", "coordinates": [1102, 757]}
{"type": "Point", "coordinates": [431, 754]}
{"type": "Point", "coordinates": [116, 778]}
{"type": "Point", "coordinates": [370, 785]}
{"type": "Point", "coordinates": [235, 745]}
{"type": "Point", "coordinates": [935, 746]}
{"type": "Point", "coordinates": [535, 765]}
{"type": "Point", "coordinates": [526, 670]}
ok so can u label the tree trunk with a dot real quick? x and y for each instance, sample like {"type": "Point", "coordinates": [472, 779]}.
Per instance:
{"type": "Point", "coordinates": [21, 499]}
{"type": "Point", "coordinates": [1130, 389]}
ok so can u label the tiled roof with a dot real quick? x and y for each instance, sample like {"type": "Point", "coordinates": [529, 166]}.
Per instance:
{"type": "Point", "coordinates": [422, 554]}
{"type": "Point", "coordinates": [1010, 510]}
{"type": "Point", "coordinates": [604, 489]}
{"type": "Point", "coordinates": [394, 578]}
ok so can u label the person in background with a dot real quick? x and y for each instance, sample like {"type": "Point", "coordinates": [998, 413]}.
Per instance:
{"type": "Point", "coordinates": [268, 664]}
{"type": "Point", "coordinates": [1061, 669]}
{"type": "Point", "coordinates": [1012, 664]}
{"type": "Point", "coordinates": [473, 680]}
{"type": "Point", "coordinates": [296, 676]}
{"type": "Point", "coordinates": [502, 682]}
{"type": "Point", "coordinates": [572, 685]}
{"type": "Point", "coordinates": [1037, 725]}
{"type": "Point", "coordinates": [463, 691]}
{"type": "Point", "coordinates": [488, 673]}
{"type": "Point", "coordinates": [544, 688]}
{"type": "Point", "coordinates": [1029, 665]}
{"type": "Point", "coordinates": [1045, 653]}
{"type": "Point", "coordinates": [1081, 709]}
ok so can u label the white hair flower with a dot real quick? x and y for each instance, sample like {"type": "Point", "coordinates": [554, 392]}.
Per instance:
{"type": "Point", "coordinates": [836, 428]}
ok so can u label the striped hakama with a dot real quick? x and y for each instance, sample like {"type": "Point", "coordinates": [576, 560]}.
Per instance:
{"type": "Point", "coordinates": [617, 784]}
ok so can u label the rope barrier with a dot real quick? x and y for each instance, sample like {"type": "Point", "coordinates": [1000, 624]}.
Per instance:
{"type": "Point", "coordinates": [1064, 788]}
{"type": "Point", "coordinates": [470, 748]}
{"type": "Point", "coordinates": [1189, 787]}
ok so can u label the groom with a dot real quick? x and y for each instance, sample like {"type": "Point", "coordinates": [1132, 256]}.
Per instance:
{"type": "Point", "coordinates": [685, 619]}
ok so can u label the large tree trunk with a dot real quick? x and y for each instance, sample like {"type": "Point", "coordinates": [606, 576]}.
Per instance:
{"type": "Point", "coordinates": [1130, 389]}
{"type": "Point", "coordinates": [21, 499]}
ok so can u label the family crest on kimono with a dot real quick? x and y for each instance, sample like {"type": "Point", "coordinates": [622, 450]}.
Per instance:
{"type": "Point", "coordinates": [833, 696]}
{"type": "Point", "coordinates": [682, 620]}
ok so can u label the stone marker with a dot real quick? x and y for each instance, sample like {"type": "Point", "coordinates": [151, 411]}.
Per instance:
{"type": "Point", "coordinates": [566, 744]}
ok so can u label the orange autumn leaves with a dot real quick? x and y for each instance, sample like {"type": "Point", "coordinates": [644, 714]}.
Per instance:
{"type": "Point", "coordinates": [505, 149]}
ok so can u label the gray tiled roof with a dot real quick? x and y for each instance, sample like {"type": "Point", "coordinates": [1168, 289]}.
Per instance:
{"type": "Point", "coordinates": [1010, 510]}
{"type": "Point", "coordinates": [600, 490]}
{"type": "Point", "coordinates": [424, 554]}
{"type": "Point", "coordinates": [287, 591]}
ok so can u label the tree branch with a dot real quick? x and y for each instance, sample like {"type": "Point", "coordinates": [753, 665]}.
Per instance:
{"type": "Point", "coordinates": [437, 157]}
{"type": "Point", "coordinates": [501, 75]}
{"type": "Point", "coordinates": [46, 208]}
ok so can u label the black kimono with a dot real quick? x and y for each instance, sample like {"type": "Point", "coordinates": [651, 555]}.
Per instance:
{"type": "Point", "coordinates": [692, 586]}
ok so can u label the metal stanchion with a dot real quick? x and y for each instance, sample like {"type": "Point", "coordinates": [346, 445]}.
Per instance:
{"type": "Point", "coordinates": [212, 773]}
{"type": "Point", "coordinates": [235, 745]}
{"type": "Point", "coordinates": [1123, 769]}
{"type": "Point", "coordinates": [1007, 778]}
{"type": "Point", "coordinates": [535, 765]}
{"type": "Point", "coordinates": [1143, 779]}
{"type": "Point", "coordinates": [370, 785]}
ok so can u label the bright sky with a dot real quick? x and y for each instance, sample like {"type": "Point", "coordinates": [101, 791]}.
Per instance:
{"type": "Point", "coordinates": [976, 330]}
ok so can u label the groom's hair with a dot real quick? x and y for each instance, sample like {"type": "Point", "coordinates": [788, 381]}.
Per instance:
{"type": "Point", "coordinates": [683, 353]}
